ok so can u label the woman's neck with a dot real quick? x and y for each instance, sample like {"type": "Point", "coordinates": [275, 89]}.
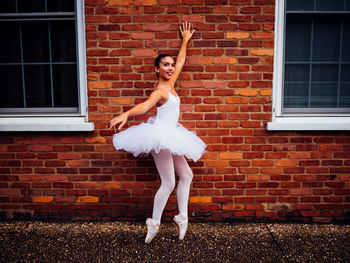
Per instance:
{"type": "Point", "coordinates": [164, 83]}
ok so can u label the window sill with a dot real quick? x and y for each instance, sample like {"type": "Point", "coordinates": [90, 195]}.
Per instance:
{"type": "Point", "coordinates": [309, 124]}
{"type": "Point", "coordinates": [45, 124]}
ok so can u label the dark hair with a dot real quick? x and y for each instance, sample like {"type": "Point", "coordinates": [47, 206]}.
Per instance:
{"type": "Point", "coordinates": [159, 58]}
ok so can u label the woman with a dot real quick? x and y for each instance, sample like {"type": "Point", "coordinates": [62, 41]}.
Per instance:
{"type": "Point", "coordinates": [163, 137]}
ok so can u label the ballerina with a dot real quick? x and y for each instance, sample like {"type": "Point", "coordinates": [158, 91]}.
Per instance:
{"type": "Point", "coordinates": [164, 138]}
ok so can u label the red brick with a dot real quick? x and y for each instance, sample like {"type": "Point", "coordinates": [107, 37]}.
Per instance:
{"type": "Point", "coordinates": [192, 18]}
{"type": "Point", "coordinates": [145, 2]}
{"type": "Point", "coordinates": [202, 9]}
{"type": "Point", "coordinates": [287, 163]}
{"type": "Point", "coordinates": [240, 18]}
{"type": "Point", "coordinates": [156, 27]}
{"type": "Point", "coordinates": [169, 2]}
{"type": "Point", "coordinates": [40, 148]}
{"type": "Point", "coordinates": [199, 60]}
{"type": "Point", "coordinates": [69, 156]}
{"type": "Point", "coordinates": [300, 191]}
{"type": "Point", "coordinates": [192, 2]}
{"type": "Point", "coordinates": [142, 35]}
{"type": "Point", "coordinates": [216, 2]}
{"type": "Point", "coordinates": [333, 199]}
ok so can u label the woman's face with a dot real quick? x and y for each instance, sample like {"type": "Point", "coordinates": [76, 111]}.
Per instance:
{"type": "Point", "coordinates": [166, 68]}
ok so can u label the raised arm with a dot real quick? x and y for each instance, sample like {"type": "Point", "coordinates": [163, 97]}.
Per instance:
{"type": "Point", "coordinates": [187, 34]}
{"type": "Point", "coordinates": [139, 109]}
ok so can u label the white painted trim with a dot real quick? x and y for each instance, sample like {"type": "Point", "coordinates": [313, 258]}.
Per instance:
{"type": "Point", "coordinates": [278, 60]}
{"type": "Point", "coordinates": [309, 124]}
{"type": "Point", "coordinates": [81, 51]}
{"type": "Point", "coordinates": [286, 122]}
{"type": "Point", "coordinates": [45, 124]}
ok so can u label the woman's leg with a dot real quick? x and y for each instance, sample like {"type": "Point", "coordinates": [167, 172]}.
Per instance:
{"type": "Point", "coordinates": [165, 166]}
{"type": "Point", "coordinates": [185, 174]}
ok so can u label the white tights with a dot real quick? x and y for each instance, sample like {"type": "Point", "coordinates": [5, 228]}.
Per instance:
{"type": "Point", "coordinates": [167, 164]}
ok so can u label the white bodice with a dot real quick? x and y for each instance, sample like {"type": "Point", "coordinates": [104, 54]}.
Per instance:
{"type": "Point", "coordinates": [169, 112]}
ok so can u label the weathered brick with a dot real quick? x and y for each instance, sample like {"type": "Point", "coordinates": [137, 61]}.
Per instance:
{"type": "Point", "coordinates": [262, 52]}
{"type": "Point", "coordinates": [199, 60]}
{"type": "Point", "coordinates": [145, 2]}
{"type": "Point", "coordinates": [144, 52]}
{"type": "Point", "coordinates": [247, 92]}
{"type": "Point", "coordinates": [87, 199]}
{"type": "Point", "coordinates": [200, 199]}
{"type": "Point", "coordinates": [42, 199]}
{"type": "Point", "coordinates": [286, 163]}
{"type": "Point", "coordinates": [99, 85]}
{"type": "Point", "coordinates": [237, 35]}
{"type": "Point", "coordinates": [156, 27]}
{"type": "Point", "coordinates": [233, 207]}
{"type": "Point", "coordinates": [142, 35]}
{"type": "Point", "coordinates": [224, 60]}
{"type": "Point", "coordinates": [119, 2]}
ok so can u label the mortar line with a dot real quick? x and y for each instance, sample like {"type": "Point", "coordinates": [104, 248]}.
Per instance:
{"type": "Point", "coordinates": [278, 245]}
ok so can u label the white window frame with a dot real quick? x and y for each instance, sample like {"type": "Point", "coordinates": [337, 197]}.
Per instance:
{"type": "Point", "coordinates": [305, 122]}
{"type": "Point", "coordinates": [59, 122]}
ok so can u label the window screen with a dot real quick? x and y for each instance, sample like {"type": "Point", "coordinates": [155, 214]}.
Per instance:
{"type": "Point", "coordinates": [38, 57]}
{"type": "Point", "coordinates": [317, 57]}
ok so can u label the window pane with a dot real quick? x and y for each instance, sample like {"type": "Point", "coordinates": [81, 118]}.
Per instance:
{"type": "Point", "coordinates": [35, 41]}
{"type": "Point", "coordinates": [324, 73]}
{"type": "Point", "coordinates": [65, 85]}
{"type": "Point", "coordinates": [60, 5]}
{"type": "Point", "coordinates": [344, 100]}
{"type": "Point", "coordinates": [346, 41]}
{"type": "Point", "coordinates": [330, 5]}
{"type": "Point", "coordinates": [324, 95]}
{"type": "Point", "coordinates": [8, 6]}
{"type": "Point", "coordinates": [317, 5]}
{"type": "Point", "coordinates": [300, 5]}
{"type": "Point", "coordinates": [345, 73]}
{"type": "Point", "coordinates": [324, 87]}
{"type": "Point", "coordinates": [345, 86]}
{"type": "Point", "coordinates": [326, 40]}
{"type": "Point", "coordinates": [298, 39]}
{"type": "Point", "coordinates": [10, 45]}
{"type": "Point", "coordinates": [296, 94]}
{"type": "Point", "coordinates": [347, 8]}
{"type": "Point", "coordinates": [297, 72]}
{"type": "Point", "coordinates": [11, 87]}
{"type": "Point", "coordinates": [28, 6]}
{"type": "Point", "coordinates": [63, 41]}
{"type": "Point", "coordinates": [37, 85]}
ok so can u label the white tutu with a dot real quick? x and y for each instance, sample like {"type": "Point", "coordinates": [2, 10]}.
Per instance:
{"type": "Point", "coordinates": [162, 132]}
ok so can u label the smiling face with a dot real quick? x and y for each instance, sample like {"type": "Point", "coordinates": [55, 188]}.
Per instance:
{"type": "Point", "coordinates": [166, 68]}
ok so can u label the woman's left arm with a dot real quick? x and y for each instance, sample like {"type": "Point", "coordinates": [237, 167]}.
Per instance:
{"type": "Point", "coordinates": [187, 34]}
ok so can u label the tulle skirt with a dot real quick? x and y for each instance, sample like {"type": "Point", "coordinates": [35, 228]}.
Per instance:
{"type": "Point", "coordinates": [142, 139]}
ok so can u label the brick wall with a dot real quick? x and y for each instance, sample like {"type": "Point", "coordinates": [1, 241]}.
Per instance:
{"type": "Point", "coordinates": [247, 173]}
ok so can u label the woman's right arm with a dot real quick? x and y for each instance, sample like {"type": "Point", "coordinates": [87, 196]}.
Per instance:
{"type": "Point", "coordinates": [139, 109]}
{"type": "Point", "coordinates": [187, 34]}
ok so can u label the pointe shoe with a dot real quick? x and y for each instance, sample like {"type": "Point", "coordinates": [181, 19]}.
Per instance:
{"type": "Point", "coordinates": [182, 222]}
{"type": "Point", "coordinates": [152, 230]}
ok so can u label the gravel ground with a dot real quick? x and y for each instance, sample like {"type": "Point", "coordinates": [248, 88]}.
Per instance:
{"type": "Point", "coordinates": [35, 241]}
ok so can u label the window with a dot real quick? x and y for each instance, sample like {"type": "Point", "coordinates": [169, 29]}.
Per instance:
{"type": "Point", "coordinates": [42, 65]}
{"type": "Point", "coordinates": [312, 65]}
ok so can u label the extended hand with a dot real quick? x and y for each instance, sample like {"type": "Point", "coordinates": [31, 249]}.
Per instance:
{"type": "Point", "coordinates": [122, 118]}
{"type": "Point", "coordinates": [186, 31]}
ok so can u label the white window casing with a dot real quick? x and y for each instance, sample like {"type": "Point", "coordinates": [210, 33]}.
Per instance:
{"type": "Point", "coordinates": [294, 121]}
{"type": "Point", "coordinates": [59, 122]}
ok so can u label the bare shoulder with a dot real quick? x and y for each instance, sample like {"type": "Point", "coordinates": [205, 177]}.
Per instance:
{"type": "Point", "coordinates": [159, 92]}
